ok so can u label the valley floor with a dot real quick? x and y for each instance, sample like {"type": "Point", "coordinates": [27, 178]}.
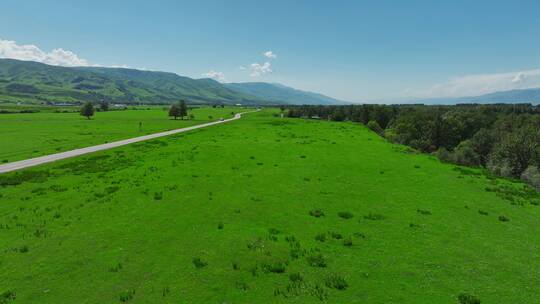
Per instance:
{"type": "Point", "coordinates": [31, 135]}
{"type": "Point", "coordinates": [266, 210]}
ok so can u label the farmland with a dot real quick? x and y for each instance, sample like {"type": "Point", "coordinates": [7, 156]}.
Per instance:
{"type": "Point", "coordinates": [262, 209]}
{"type": "Point", "coordinates": [34, 134]}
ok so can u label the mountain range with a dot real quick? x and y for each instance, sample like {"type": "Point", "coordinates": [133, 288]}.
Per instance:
{"type": "Point", "coordinates": [531, 96]}
{"type": "Point", "coordinates": [276, 92]}
{"type": "Point", "coordinates": [29, 81]}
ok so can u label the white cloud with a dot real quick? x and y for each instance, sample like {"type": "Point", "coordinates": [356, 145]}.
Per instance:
{"type": "Point", "coordinates": [219, 76]}
{"type": "Point", "coordinates": [479, 84]}
{"type": "Point", "coordinates": [269, 54]}
{"type": "Point", "coordinates": [10, 49]}
{"type": "Point", "coordinates": [242, 68]}
{"type": "Point", "coordinates": [520, 77]}
{"type": "Point", "coordinates": [258, 69]}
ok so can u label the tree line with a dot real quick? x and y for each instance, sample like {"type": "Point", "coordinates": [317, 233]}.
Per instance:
{"type": "Point", "coordinates": [176, 110]}
{"type": "Point", "coordinates": [504, 138]}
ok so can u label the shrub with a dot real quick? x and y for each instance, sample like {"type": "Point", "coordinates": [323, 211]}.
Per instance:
{"type": "Point", "coordinates": [273, 231]}
{"type": "Point", "coordinates": [532, 176]}
{"type": "Point", "coordinates": [316, 213]}
{"type": "Point", "coordinates": [23, 249]}
{"type": "Point", "coordinates": [220, 226]}
{"type": "Point", "coordinates": [359, 235]}
{"type": "Point", "coordinates": [111, 190]}
{"type": "Point", "coordinates": [158, 196]}
{"type": "Point", "coordinates": [277, 267]}
{"type": "Point", "coordinates": [296, 277]}
{"type": "Point", "coordinates": [272, 237]}
{"type": "Point", "coordinates": [199, 263]}
{"type": "Point", "coordinates": [127, 295]}
{"type": "Point", "coordinates": [235, 266]}
{"type": "Point", "coordinates": [321, 237]}
{"type": "Point", "coordinates": [375, 127]}
{"type": "Point", "coordinates": [423, 212]}
{"type": "Point", "coordinates": [319, 292]}
{"type": "Point", "coordinates": [482, 212]}
{"type": "Point", "coordinates": [116, 268]}
{"type": "Point", "coordinates": [316, 260]}
{"type": "Point", "coordinates": [335, 281]}
{"type": "Point", "coordinates": [464, 298]}
{"type": "Point", "coordinates": [374, 217]}
{"type": "Point", "coordinates": [297, 252]}
{"type": "Point", "coordinates": [242, 286]}
{"type": "Point", "coordinates": [465, 154]}
{"type": "Point", "coordinates": [7, 296]}
{"type": "Point", "coordinates": [255, 244]}
{"type": "Point", "coordinates": [503, 218]}
{"type": "Point", "coordinates": [347, 242]}
{"type": "Point", "coordinates": [24, 176]}
{"type": "Point", "coordinates": [336, 235]}
{"type": "Point", "coordinates": [345, 214]}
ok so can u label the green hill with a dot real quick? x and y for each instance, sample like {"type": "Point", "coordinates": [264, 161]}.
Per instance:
{"type": "Point", "coordinates": [36, 82]}
{"type": "Point", "coordinates": [266, 210]}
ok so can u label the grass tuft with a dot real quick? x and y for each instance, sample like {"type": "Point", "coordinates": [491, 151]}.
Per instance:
{"type": "Point", "coordinates": [503, 218]}
{"type": "Point", "coordinates": [199, 263]}
{"type": "Point", "coordinates": [345, 215]}
{"type": "Point", "coordinates": [321, 237]}
{"type": "Point", "coordinates": [374, 217]}
{"type": "Point", "coordinates": [7, 296]}
{"type": "Point", "coordinates": [316, 213]}
{"type": "Point", "coordinates": [127, 295]}
{"type": "Point", "coordinates": [336, 281]}
{"type": "Point", "coordinates": [464, 298]}
{"type": "Point", "coordinates": [316, 259]}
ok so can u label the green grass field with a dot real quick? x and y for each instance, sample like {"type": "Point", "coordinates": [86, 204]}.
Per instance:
{"type": "Point", "coordinates": [265, 210]}
{"type": "Point", "coordinates": [35, 134]}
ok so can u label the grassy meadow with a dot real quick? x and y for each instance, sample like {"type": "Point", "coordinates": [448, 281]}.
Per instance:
{"type": "Point", "coordinates": [260, 210]}
{"type": "Point", "coordinates": [30, 135]}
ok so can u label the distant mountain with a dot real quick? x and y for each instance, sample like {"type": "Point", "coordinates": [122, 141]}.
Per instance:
{"type": "Point", "coordinates": [282, 94]}
{"type": "Point", "coordinates": [31, 81]}
{"type": "Point", "coordinates": [514, 96]}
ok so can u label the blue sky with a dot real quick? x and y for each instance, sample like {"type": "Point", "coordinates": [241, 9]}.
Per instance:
{"type": "Point", "coordinates": [353, 50]}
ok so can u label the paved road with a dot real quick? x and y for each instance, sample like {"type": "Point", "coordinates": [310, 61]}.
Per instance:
{"type": "Point", "coordinates": [63, 155]}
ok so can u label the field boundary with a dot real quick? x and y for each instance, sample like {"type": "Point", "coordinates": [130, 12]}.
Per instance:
{"type": "Point", "coordinates": [21, 164]}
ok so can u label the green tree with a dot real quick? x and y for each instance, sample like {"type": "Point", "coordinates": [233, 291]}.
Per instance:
{"type": "Point", "coordinates": [104, 106]}
{"type": "Point", "coordinates": [174, 110]}
{"type": "Point", "coordinates": [465, 154]}
{"type": "Point", "coordinates": [374, 126]}
{"type": "Point", "coordinates": [87, 110]}
{"type": "Point", "coordinates": [183, 109]}
{"type": "Point", "coordinates": [518, 149]}
{"type": "Point", "coordinates": [482, 143]}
